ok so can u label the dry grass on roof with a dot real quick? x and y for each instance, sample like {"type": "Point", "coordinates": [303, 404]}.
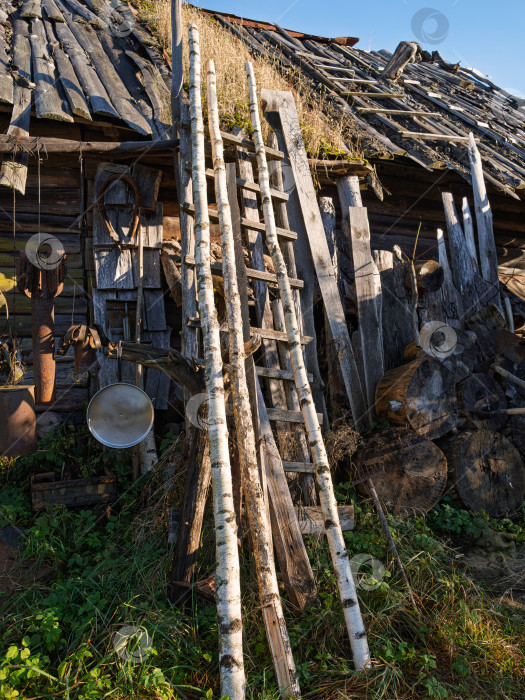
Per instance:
{"type": "Point", "coordinates": [321, 132]}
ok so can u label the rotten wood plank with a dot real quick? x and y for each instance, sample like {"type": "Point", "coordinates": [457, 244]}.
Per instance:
{"type": "Point", "coordinates": [283, 104]}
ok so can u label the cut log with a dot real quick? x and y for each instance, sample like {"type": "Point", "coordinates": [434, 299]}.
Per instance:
{"type": "Point", "coordinates": [409, 471]}
{"type": "Point", "coordinates": [486, 471]}
{"type": "Point", "coordinates": [427, 393]}
{"type": "Point", "coordinates": [405, 53]}
{"type": "Point", "coordinates": [480, 393]}
{"type": "Point", "coordinates": [429, 276]}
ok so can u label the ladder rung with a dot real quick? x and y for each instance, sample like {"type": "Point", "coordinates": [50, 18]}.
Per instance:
{"type": "Point", "coordinates": [356, 93]}
{"type": "Point", "coordinates": [284, 416]}
{"type": "Point", "coordinates": [270, 373]}
{"type": "Point", "coordinates": [397, 112]}
{"type": "Point", "coordinates": [253, 274]}
{"type": "Point", "coordinates": [311, 521]}
{"type": "Point", "coordinates": [340, 68]}
{"type": "Point", "coordinates": [245, 223]}
{"type": "Point", "coordinates": [299, 467]}
{"type": "Point", "coordinates": [353, 80]}
{"type": "Point", "coordinates": [271, 153]}
{"type": "Point", "coordinates": [266, 333]}
{"type": "Point", "coordinates": [245, 185]}
{"type": "Point", "coordinates": [432, 137]}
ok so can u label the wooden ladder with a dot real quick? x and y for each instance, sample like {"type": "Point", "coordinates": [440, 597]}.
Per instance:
{"type": "Point", "coordinates": [284, 455]}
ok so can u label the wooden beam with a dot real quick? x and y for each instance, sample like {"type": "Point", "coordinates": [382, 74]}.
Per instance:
{"type": "Point", "coordinates": [294, 564]}
{"type": "Point", "coordinates": [369, 301]}
{"type": "Point", "coordinates": [46, 146]}
{"type": "Point", "coordinates": [397, 112]}
{"type": "Point", "coordinates": [282, 104]}
{"type": "Point", "coordinates": [432, 137]}
{"type": "Point", "coordinates": [358, 93]}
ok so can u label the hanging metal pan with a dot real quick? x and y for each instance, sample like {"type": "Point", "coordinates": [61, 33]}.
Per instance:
{"type": "Point", "coordinates": [120, 415]}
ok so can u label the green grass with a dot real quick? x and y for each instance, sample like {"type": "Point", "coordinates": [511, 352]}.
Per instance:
{"type": "Point", "coordinates": [58, 635]}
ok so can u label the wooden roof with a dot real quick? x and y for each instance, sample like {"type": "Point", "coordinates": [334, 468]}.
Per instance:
{"type": "Point", "coordinates": [81, 60]}
{"type": "Point", "coordinates": [426, 116]}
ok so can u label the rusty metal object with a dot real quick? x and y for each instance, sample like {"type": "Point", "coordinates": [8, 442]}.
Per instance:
{"type": "Point", "coordinates": [136, 208]}
{"type": "Point", "coordinates": [86, 341]}
{"type": "Point", "coordinates": [17, 420]}
{"type": "Point", "coordinates": [42, 285]}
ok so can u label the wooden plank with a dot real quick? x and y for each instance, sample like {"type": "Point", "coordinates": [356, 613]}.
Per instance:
{"type": "Point", "coordinates": [251, 273]}
{"type": "Point", "coordinates": [487, 246]}
{"type": "Point", "coordinates": [286, 375]}
{"type": "Point", "coordinates": [265, 333]}
{"type": "Point", "coordinates": [463, 273]}
{"type": "Point", "coordinates": [311, 519]}
{"type": "Point", "coordinates": [98, 98]}
{"type": "Point", "coordinates": [157, 383]}
{"type": "Point", "coordinates": [13, 173]}
{"type": "Point", "coordinates": [369, 302]}
{"type": "Point", "coordinates": [283, 104]}
{"type": "Point", "coordinates": [285, 416]}
{"type": "Point", "coordinates": [109, 77]}
{"type": "Point", "coordinates": [294, 565]}
{"type": "Point", "coordinates": [153, 310]}
{"type": "Point", "coordinates": [113, 268]}
{"type": "Point", "coordinates": [48, 102]}
{"type": "Point", "coordinates": [249, 224]}
{"type": "Point", "coordinates": [433, 137]}
{"type": "Point", "coordinates": [397, 112]}
{"type": "Point", "coordinates": [374, 95]}
{"type": "Point", "coordinates": [299, 467]}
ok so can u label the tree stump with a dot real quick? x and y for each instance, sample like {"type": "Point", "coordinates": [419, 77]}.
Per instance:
{"type": "Point", "coordinates": [408, 470]}
{"type": "Point", "coordinates": [426, 391]}
{"type": "Point", "coordinates": [481, 393]}
{"type": "Point", "coordinates": [486, 471]}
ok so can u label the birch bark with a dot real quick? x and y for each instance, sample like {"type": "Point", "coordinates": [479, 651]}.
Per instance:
{"type": "Point", "coordinates": [340, 559]}
{"type": "Point", "coordinates": [255, 505]}
{"type": "Point", "coordinates": [228, 590]}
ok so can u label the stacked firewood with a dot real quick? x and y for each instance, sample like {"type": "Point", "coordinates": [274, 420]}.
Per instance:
{"type": "Point", "coordinates": [456, 402]}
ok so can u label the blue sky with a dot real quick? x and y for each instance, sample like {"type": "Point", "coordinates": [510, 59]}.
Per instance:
{"type": "Point", "coordinates": [483, 34]}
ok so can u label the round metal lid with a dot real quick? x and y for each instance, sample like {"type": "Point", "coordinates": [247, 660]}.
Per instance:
{"type": "Point", "coordinates": [120, 415]}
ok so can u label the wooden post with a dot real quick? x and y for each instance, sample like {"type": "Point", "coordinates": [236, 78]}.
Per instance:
{"type": "Point", "coordinates": [487, 246]}
{"type": "Point", "coordinates": [228, 590]}
{"type": "Point", "coordinates": [256, 509]}
{"type": "Point", "coordinates": [176, 64]}
{"type": "Point", "coordinates": [468, 228]}
{"type": "Point", "coordinates": [284, 105]}
{"type": "Point", "coordinates": [352, 613]}
{"type": "Point", "coordinates": [368, 289]}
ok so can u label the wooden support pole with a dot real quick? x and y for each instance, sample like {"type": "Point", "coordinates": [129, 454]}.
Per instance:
{"type": "Point", "coordinates": [283, 105]}
{"type": "Point", "coordinates": [255, 505]}
{"type": "Point", "coordinates": [228, 590]}
{"type": "Point", "coordinates": [46, 146]}
{"type": "Point", "coordinates": [341, 563]}
{"type": "Point", "coordinates": [468, 228]}
{"type": "Point", "coordinates": [487, 246]}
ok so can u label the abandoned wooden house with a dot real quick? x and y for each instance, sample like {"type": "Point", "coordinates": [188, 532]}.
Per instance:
{"type": "Point", "coordinates": [381, 283]}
